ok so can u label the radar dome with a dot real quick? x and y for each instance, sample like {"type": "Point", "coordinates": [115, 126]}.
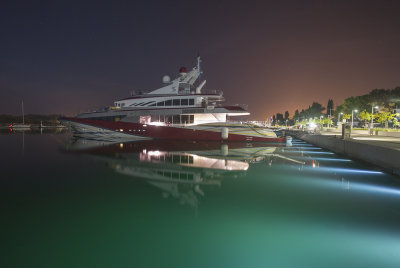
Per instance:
{"type": "Point", "coordinates": [166, 79]}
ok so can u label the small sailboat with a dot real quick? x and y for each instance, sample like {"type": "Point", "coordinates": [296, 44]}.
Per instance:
{"type": "Point", "coordinates": [22, 126]}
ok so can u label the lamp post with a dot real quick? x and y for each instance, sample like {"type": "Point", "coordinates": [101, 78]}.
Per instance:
{"type": "Point", "coordinates": [372, 116]}
{"type": "Point", "coordinates": [330, 116]}
{"type": "Point", "coordinates": [339, 118]}
{"type": "Point", "coordinates": [352, 117]}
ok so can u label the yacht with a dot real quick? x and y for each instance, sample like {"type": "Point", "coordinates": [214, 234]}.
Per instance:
{"type": "Point", "coordinates": [178, 110]}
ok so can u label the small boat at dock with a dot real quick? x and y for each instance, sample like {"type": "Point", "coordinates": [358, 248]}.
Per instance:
{"type": "Point", "coordinates": [22, 126]}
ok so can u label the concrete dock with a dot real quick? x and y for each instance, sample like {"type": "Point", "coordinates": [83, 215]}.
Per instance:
{"type": "Point", "coordinates": [381, 151]}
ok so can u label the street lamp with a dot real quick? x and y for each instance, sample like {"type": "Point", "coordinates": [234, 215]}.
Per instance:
{"type": "Point", "coordinates": [372, 116]}
{"type": "Point", "coordinates": [352, 117]}
{"type": "Point", "coordinates": [339, 118]}
{"type": "Point", "coordinates": [330, 116]}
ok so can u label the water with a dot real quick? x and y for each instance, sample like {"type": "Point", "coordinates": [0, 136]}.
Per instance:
{"type": "Point", "coordinates": [77, 203]}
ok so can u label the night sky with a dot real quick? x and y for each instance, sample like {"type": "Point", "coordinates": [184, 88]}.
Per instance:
{"type": "Point", "coordinates": [67, 57]}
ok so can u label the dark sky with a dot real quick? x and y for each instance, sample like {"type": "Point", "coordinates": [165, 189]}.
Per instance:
{"type": "Point", "coordinates": [66, 57]}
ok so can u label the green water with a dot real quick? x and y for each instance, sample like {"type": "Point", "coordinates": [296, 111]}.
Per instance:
{"type": "Point", "coordinates": [77, 203]}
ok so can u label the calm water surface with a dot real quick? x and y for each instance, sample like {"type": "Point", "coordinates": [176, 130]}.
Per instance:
{"type": "Point", "coordinates": [78, 203]}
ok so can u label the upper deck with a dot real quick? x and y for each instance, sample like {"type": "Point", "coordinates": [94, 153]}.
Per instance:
{"type": "Point", "coordinates": [176, 93]}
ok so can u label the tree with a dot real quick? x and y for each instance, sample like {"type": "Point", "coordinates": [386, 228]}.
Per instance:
{"type": "Point", "coordinates": [346, 116]}
{"type": "Point", "coordinates": [296, 115]}
{"type": "Point", "coordinates": [327, 121]}
{"type": "Point", "coordinates": [286, 115]}
{"type": "Point", "coordinates": [314, 110]}
{"type": "Point", "coordinates": [329, 107]}
{"type": "Point", "coordinates": [365, 116]}
{"type": "Point", "coordinates": [279, 118]}
{"type": "Point", "coordinates": [384, 117]}
{"type": "Point", "coordinates": [396, 121]}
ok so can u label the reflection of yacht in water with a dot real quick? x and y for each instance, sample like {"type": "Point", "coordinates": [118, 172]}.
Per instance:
{"type": "Point", "coordinates": [188, 170]}
{"type": "Point", "coordinates": [180, 169]}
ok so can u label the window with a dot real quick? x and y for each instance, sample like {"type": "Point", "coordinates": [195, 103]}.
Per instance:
{"type": "Point", "coordinates": [177, 102]}
{"type": "Point", "coordinates": [191, 101]}
{"type": "Point", "coordinates": [137, 104]}
{"type": "Point", "coordinates": [176, 119]}
{"type": "Point", "coordinates": [155, 118]}
{"type": "Point", "coordinates": [185, 119]}
{"type": "Point", "coordinates": [168, 102]}
{"type": "Point", "coordinates": [184, 102]}
{"type": "Point", "coordinates": [191, 119]}
{"type": "Point", "coordinates": [144, 104]}
{"type": "Point", "coordinates": [176, 159]}
{"type": "Point", "coordinates": [161, 103]}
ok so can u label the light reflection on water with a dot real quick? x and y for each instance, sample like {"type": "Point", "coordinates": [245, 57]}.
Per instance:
{"type": "Point", "coordinates": [80, 203]}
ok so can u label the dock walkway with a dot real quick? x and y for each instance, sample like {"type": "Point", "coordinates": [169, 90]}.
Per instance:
{"type": "Point", "coordinates": [381, 151]}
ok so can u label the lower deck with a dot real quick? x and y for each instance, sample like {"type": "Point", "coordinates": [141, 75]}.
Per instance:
{"type": "Point", "coordinates": [137, 131]}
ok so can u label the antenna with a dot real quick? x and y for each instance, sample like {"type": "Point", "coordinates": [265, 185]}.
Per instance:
{"type": "Point", "coordinates": [198, 63]}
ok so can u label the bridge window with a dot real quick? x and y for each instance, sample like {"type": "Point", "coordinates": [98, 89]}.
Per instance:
{"type": "Point", "coordinates": [176, 102]}
{"type": "Point", "coordinates": [191, 101]}
{"type": "Point", "coordinates": [161, 103]}
{"type": "Point", "coordinates": [168, 102]}
{"type": "Point", "coordinates": [184, 102]}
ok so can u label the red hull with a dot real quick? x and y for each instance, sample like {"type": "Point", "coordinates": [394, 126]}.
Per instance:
{"type": "Point", "coordinates": [168, 132]}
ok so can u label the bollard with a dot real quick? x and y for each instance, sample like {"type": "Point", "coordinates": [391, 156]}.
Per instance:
{"type": "Point", "coordinates": [346, 131]}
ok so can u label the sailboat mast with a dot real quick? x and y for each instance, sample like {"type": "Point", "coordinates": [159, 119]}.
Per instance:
{"type": "Point", "coordinates": [23, 117]}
